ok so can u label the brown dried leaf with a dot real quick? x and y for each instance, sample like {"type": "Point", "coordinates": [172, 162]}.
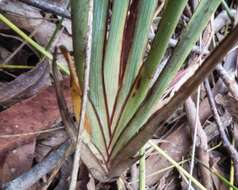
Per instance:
{"type": "Point", "coordinates": [24, 86]}
{"type": "Point", "coordinates": [177, 145]}
{"type": "Point", "coordinates": [33, 114]}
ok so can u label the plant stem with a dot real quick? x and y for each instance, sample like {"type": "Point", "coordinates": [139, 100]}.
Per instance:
{"type": "Point", "coordinates": [75, 170]}
{"type": "Point", "coordinates": [226, 143]}
{"type": "Point", "coordinates": [142, 169]}
{"type": "Point", "coordinates": [49, 6]}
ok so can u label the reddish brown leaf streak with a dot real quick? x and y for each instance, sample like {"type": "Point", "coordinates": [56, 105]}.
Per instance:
{"type": "Point", "coordinates": [128, 37]}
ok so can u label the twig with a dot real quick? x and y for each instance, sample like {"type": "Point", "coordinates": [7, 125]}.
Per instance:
{"type": "Point", "coordinates": [58, 165]}
{"type": "Point", "coordinates": [49, 6]}
{"type": "Point", "coordinates": [232, 171]}
{"type": "Point", "coordinates": [226, 142]}
{"type": "Point", "coordinates": [29, 178]}
{"type": "Point", "coordinates": [228, 79]}
{"type": "Point", "coordinates": [202, 144]}
{"type": "Point", "coordinates": [74, 175]}
{"type": "Point", "coordinates": [195, 132]}
{"type": "Point", "coordinates": [32, 133]}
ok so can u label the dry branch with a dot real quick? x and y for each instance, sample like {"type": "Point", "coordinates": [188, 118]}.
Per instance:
{"type": "Point", "coordinates": [47, 6]}
{"type": "Point", "coordinates": [28, 179]}
{"type": "Point", "coordinates": [226, 143]}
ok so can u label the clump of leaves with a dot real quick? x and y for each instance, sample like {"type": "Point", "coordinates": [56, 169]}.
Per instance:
{"type": "Point", "coordinates": [128, 99]}
{"type": "Point", "coordinates": [126, 103]}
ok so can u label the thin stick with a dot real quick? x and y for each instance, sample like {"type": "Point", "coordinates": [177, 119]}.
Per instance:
{"type": "Point", "coordinates": [31, 133]}
{"type": "Point", "coordinates": [202, 145]}
{"type": "Point", "coordinates": [226, 142]}
{"type": "Point", "coordinates": [49, 6]}
{"type": "Point", "coordinates": [196, 123]}
{"type": "Point", "coordinates": [229, 79]}
{"type": "Point", "coordinates": [194, 138]}
{"type": "Point", "coordinates": [84, 100]}
{"type": "Point", "coordinates": [232, 171]}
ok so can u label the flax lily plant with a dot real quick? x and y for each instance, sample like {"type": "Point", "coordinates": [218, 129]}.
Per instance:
{"type": "Point", "coordinates": [126, 100]}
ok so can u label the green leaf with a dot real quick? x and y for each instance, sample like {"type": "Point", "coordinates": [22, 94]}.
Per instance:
{"type": "Point", "coordinates": [143, 22]}
{"type": "Point", "coordinates": [79, 30]}
{"type": "Point", "coordinates": [166, 107]}
{"type": "Point", "coordinates": [113, 51]}
{"type": "Point", "coordinates": [100, 11]}
{"type": "Point", "coordinates": [166, 28]}
{"type": "Point", "coordinates": [96, 106]}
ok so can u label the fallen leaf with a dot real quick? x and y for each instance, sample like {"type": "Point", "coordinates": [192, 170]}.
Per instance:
{"type": "Point", "coordinates": [16, 162]}
{"type": "Point", "coordinates": [25, 85]}
{"type": "Point", "coordinates": [33, 114]}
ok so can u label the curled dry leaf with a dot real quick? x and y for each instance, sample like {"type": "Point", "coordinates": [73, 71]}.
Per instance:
{"type": "Point", "coordinates": [26, 85]}
{"type": "Point", "coordinates": [18, 84]}
{"type": "Point", "coordinates": [76, 92]}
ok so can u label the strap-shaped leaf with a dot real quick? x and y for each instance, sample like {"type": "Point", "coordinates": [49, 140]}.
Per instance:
{"type": "Point", "coordinates": [79, 30]}
{"type": "Point", "coordinates": [113, 51]}
{"type": "Point", "coordinates": [170, 18]}
{"type": "Point", "coordinates": [100, 11]}
{"type": "Point", "coordinates": [168, 106]}
{"type": "Point", "coordinates": [191, 34]}
{"type": "Point", "coordinates": [144, 17]}
{"type": "Point", "coordinates": [96, 106]}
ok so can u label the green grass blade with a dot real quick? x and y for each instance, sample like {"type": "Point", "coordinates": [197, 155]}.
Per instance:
{"type": "Point", "coordinates": [79, 31]}
{"type": "Point", "coordinates": [181, 169]}
{"type": "Point", "coordinates": [113, 51]}
{"type": "Point", "coordinates": [142, 169]}
{"type": "Point", "coordinates": [30, 41]}
{"type": "Point", "coordinates": [15, 66]}
{"type": "Point", "coordinates": [223, 179]}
